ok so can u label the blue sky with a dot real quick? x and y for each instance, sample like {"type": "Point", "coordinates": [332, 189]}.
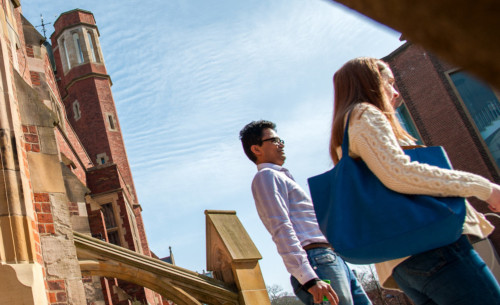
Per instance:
{"type": "Point", "coordinates": [188, 75]}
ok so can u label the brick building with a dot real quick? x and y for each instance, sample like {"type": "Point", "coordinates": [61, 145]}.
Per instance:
{"type": "Point", "coordinates": [64, 165]}
{"type": "Point", "coordinates": [443, 105]}
{"type": "Point", "coordinates": [114, 213]}
{"type": "Point", "coordinates": [71, 230]}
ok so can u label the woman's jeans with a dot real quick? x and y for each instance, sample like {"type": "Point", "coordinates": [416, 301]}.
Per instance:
{"type": "Point", "coordinates": [329, 266]}
{"type": "Point", "coordinates": [450, 275]}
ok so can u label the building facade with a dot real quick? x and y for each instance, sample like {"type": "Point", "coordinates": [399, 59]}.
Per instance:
{"type": "Point", "coordinates": [114, 213]}
{"type": "Point", "coordinates": [71, 230]}
{"type": "Point", "coordinates": [64, 165]}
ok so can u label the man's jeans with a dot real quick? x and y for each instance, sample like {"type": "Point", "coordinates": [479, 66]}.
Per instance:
{"type": "Point", "coordinates": [450, 275]}
{"type": "Point", "coordinates": [329, 266]}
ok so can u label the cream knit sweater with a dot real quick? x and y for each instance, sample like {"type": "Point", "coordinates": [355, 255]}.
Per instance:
{"type": "Point", "coordinates": [371, 138]}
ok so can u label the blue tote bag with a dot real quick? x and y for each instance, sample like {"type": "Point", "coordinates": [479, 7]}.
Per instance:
{"type": "Point", "coordinates": [367, 223]}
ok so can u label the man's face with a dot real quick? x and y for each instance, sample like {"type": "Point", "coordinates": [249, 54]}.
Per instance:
{"type": "Point", "coordinates": [271, 150]}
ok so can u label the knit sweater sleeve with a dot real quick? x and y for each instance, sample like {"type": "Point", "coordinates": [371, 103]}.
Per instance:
{"type": "Point", "coordinates": [371, 138]}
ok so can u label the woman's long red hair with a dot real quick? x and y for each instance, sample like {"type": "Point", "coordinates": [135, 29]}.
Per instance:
{"type": "Point", "coordinates": [360, 81]}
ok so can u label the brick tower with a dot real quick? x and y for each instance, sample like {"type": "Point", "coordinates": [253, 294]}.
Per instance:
{"type": "Point", "coordinates": [85, 87]}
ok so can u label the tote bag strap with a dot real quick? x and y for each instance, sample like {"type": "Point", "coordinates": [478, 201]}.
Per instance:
{"type": "Point", "coordinates": [345, 139]}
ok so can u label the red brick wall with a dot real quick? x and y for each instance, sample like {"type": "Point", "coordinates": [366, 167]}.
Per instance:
{"type": "Point", "coordinates": [142, 231]}
{"type": "Point", "coordinates": [72, 18]}
{"type": "Point", "coordinates": [95, 98]}
{"type": "Point", "coordinates": [59, 67]}
{"type": "Point", "coordinates": [50, 80]}
{"type": "Point", "coordinates": [127, 226]}
{"type": "Point", "coordinates": [434, 109]}
{"type": "Point", "coordinates": [44, 224]}
{"type": "Point", "coordinates": [106, 291]}
{"type": "Point", "coordinates": [32, 142]}
{"type": "Point", "coordinates": [80, 70]}
{"type": "Point", "coordinates": [35, 78]}
{"type": "Point", "coordinates": [103, 178]}
{"type": "Point", "coordinates": [90, 128]}
{"type": "Point", "coordinates": [81, 154]}
{"type": "Point", "coordinates": [43, 210]}
{"type": "Point", "coordinates": [57, 292]}
{"type": "Point", "coordinates": [29, 52]}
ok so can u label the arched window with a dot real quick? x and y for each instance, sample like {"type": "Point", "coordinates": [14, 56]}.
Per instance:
{"type": "Point", "coordinates": [112, 122]}
{"type": "Point", "coordinates": [91, 46]}
{"type": "Point", "coordinates": [76, 110]}
{"type": "Point", "coordinates": [65, 49]}
{"type": "Point", "coordinates": [78, 48]}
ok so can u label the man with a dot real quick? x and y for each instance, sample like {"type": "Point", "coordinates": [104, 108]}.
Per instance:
{"type": "Point", "coordinates": [288, 214]}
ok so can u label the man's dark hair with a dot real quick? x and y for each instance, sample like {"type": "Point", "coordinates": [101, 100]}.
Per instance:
{"type": "Point", "coordinates": [251, 134]}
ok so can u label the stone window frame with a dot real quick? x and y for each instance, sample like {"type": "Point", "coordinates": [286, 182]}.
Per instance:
{"type": "Point", "coordinates": [112, 199]}
{"type": "Point", "coordinates": [78, 47]}
{"type": "Point", "coordinates": [66, 54]}
{"type": "Point", "coordinates": [133, 224]}
{"type": "Point", "coordinates": [111, 121]}
{"type": "Point", "coordinates": [92, 46]}
{"type": "Point", "coordinates": [102, 157]}
{"type": "Point", "coordinates": [77, 111]}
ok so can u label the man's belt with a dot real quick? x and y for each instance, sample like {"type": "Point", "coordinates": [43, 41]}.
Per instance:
{"type": "Point", "coordinates": [317, 245]}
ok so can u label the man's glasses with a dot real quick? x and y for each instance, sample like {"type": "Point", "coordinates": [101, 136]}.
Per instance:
{"type": "Point", "coordinates": [274, 140]}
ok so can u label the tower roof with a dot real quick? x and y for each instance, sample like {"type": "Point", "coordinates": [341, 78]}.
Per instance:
{"type": "Point", "coordinates": [72, 18]}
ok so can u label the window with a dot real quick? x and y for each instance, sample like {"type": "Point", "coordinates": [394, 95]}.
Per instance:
{"type": "Point", "coordinates": [91, 46]}
{"type": "Point", "coordinates": [109, 215]}
{"type": "Point", "coordinates": [65, 50]}
{"type": "Point", "coordinates": [111, 121]}
{"type": "Point", "coordinates": [406, 121]}
{"type": "Point", "coordinates": [114, 238]}
{"type": "Point", "coordinates": [110, 223]}
{"type": "Point", "coordinates": [484, 108]}
{"type": "Point", "coordinates": [102, 158]}
{"type": "Point", "coordinates": [78, 47]}
{"type": "Point", "coordinates": [76, 110]}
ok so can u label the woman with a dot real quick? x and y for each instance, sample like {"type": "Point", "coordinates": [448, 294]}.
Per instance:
{"type": "Point", "coordinates": [454, 274]}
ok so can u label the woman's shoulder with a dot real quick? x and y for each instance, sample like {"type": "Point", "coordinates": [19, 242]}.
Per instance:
{"type": "Point", "coordinates": [367, 112]}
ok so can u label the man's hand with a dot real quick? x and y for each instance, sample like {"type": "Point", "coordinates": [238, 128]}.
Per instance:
{"type": "Point", "coordinates": [494, 200]}
{"type": "Point", "coordinates": [321, 289]}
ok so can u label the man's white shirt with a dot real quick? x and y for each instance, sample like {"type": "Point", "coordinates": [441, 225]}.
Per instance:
{"type": "Point", "coordinates": [288, 214]}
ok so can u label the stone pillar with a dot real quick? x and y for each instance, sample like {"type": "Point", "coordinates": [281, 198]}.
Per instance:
{"type": "Point", "coordinates": [22, 275]}
{"type": "Point", "coordinates": [55, 248]}
{"type": "Point", "coordinates": [233, 257]}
